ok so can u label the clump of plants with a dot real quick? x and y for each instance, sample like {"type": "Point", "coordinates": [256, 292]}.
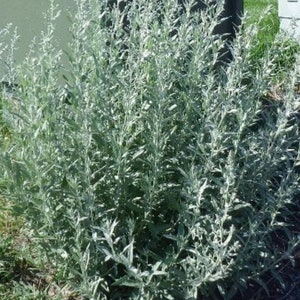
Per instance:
{"type": "Point", "coordinates": [157, 172]}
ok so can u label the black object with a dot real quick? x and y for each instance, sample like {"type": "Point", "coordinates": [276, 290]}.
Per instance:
{"type": "Point", "coordinates": [231, 15]}
{"type": "Point", "coordinates": [233, 10]}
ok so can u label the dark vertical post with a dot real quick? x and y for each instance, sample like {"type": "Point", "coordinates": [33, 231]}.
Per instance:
{"type": "Point", "coordinates": [233, 10]}
{"type": "Point", "coordinates": [232, 13]}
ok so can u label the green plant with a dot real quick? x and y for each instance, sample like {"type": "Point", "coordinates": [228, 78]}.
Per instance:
{"type": "Point", "coordinates": [161, 177]}
{"type": "Point", "coordinates": [264, 13]}
{"type": "Point", "coordinates": [288, 57]}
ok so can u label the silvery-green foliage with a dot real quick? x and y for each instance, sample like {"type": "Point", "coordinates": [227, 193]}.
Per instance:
{"type": "Point", "coordinates": [157, 172]}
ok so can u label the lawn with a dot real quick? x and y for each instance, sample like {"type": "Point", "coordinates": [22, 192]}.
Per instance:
{"type": "Point", "coordinates": [255, 8]}
{"type": "Point", "coordinates": [269, 23]}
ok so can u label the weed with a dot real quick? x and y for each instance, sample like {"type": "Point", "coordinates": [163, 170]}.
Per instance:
{"type": "Point", "coordinates": [162, 177]}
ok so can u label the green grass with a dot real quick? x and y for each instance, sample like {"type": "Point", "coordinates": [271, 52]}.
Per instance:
{"type": "Point", "coordinates": [268, 24]}
{"type": "Point", "coordinates": [265, 14]}
{"type": "Point", "coordinates": [254, 10]}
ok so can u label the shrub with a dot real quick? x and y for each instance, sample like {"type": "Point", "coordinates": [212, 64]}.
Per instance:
{"type": "Point", "coordinates": [154, 174]}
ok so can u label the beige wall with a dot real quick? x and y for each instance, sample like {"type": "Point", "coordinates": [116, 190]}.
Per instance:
{"type": "Point", "coordinates": [28, 17]}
